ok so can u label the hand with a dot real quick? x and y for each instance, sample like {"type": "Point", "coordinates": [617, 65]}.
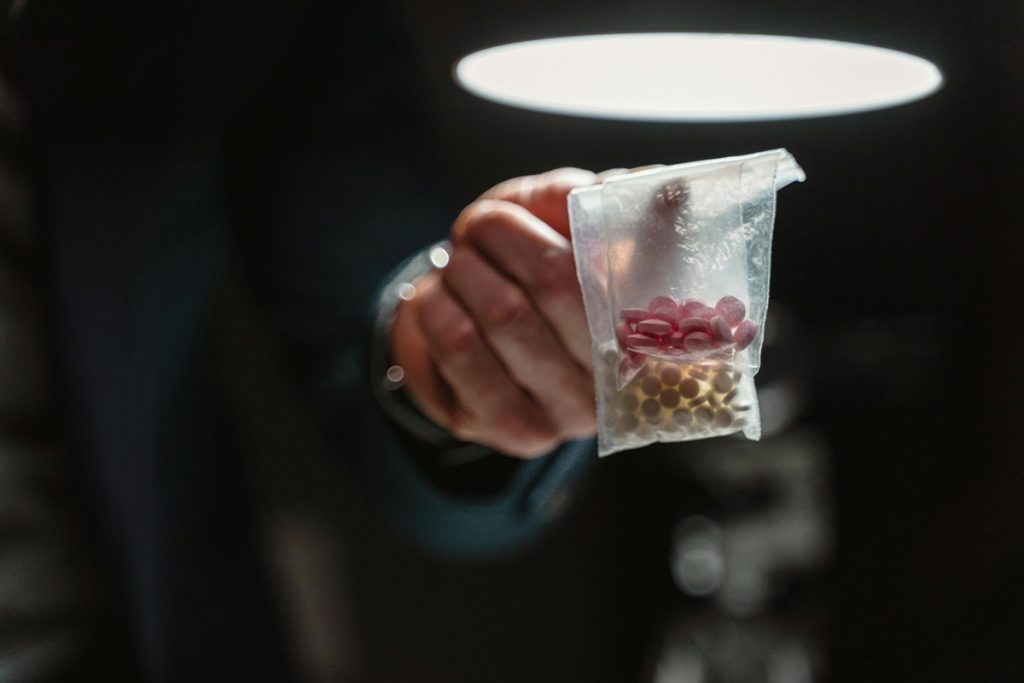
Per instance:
{"type": "Point", "coordinates": [496, 347]}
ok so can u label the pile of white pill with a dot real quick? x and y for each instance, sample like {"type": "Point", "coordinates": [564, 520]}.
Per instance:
{"type": "Point", "coordinates": [678, 400]}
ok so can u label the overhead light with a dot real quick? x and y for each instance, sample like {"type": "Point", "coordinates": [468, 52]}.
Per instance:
{"type": "Point", "coordinates": [698, 77]}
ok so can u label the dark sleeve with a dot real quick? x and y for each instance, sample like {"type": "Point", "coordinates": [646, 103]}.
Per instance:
{"type": "Point", "coordinates": [334, 187]}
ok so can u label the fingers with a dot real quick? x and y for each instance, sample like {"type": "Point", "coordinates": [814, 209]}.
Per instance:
{"type": "Point", "coordinates": [528, 348]}
{"type": "Point", "coordinates": [544, 195]}
{"type": "Point", "coordinates": [487, 406]}
{"type": "Point", "coordinates": [537, 259]}
{"type": "Point", "coordinates": [504, 346]}
{"type": "Point", "coordinates": [613, 172]}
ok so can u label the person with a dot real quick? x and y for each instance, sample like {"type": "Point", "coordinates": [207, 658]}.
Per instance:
{"type": "Point", "coordinates": [168, 141]}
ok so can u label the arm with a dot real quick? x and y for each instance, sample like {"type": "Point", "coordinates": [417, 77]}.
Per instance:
{"type": "Point", "coordinates": [321, 262]}
{"type": "Point", "coordinates": [332, 190]}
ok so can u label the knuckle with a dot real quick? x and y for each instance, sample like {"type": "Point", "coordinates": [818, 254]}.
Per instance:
{"type": "Point", "coordinates": [480, 216]}
{"type": "Point", "coordinates": [461, 429]}
{"type": "Point", "coordinates": [579, 419]}
{"type": "Point", "coordinates": [540, 440]}
{"type": "Point", "coordinates": [502, 189]}
{"type": "Point", "coordinates": [521, 452]}
{"type": "Point", "coordinates": [537, 447]}
{"type": "Point", "coordinates": [428, 312]}
{"type": "Point", "coordinates": [455, 272]}
{"type": "Point", "coordinates": [555, 271]}
{"type": "Point", "coordinates": [560, 181]}
{"type": "Point", "coordinates": [574, 389]}
{"type": "Point", "coordinates": [546, 436]}
{"type": "Point", "coordinates": [526, 437]}
{"type": "Point", "coordinates": [507, 308]}
{"type": "Point", "coordinates": [524, 450]}
{"type": "Point", "coordinates": [579, 427]}
{"type": "Point", "coordinates": [573, 174]}
{"type": "Point", "coordinates": [458, 337]}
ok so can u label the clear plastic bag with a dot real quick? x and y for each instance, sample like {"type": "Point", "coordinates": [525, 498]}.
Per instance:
{"type": "Point", "coordinates": [674, 267]}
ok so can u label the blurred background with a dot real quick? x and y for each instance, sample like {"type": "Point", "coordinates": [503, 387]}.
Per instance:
{"type": "Point", "coordinates": [872, 534]}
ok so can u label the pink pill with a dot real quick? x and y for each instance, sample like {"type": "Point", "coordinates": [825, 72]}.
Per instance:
{"type": "Point", "coordinates": [633, 315]}
{"type": "Point", "coordinates": [694, 308]}
{"type": "Point", "coordinates": [688, 325]}
{"type": "Point", "coordinates": [697, 341]}
{"type": "Point", "coordinates": [654, 326]}
{"type": "Point", "coordinates": [669, 314]}
{"type": "Point", "coordinates": [688, 305]}
{"type": "Point", "coordinates": [663, 301]}
{"type": "Point", "coordinates": [744, 334]}
{"type": "Point", "coordinates": [641, 341]}
{"type": "Point", "coordinates": [675, 340]}
{"type": "Point", "coordinates": [720, 331]}
{"type": "Point", "coordinates": [732, 309]}
{"type": "Point", "coordinates": [622, 331]}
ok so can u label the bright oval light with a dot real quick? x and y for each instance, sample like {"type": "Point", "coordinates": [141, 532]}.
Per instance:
{"type": "Point", "coordinates": [696, 76]}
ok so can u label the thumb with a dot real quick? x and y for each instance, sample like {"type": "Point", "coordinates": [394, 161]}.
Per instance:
{"type": "Point", "coordinates": [544, 195]}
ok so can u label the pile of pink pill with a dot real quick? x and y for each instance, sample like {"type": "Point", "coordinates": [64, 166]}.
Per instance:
{"type": "Point", "coordinates": [667, 326]}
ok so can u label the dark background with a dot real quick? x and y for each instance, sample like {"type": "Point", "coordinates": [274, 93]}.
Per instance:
{"type": "Point", "coordinates": [896, 268]}
{"type": "Point", "coordinates": [898, 262]}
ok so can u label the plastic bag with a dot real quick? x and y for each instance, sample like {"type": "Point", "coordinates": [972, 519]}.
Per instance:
{"type": "Point", "coordinates": [674, 268]}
